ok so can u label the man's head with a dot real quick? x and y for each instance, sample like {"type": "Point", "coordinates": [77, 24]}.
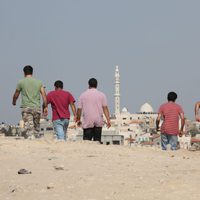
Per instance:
{"type": "Point", "coordinates": [28, 70]}
{"type": "Point", "coordinates": [92, 83]}
{"type": "Point", "coordinates": [58, 84]}
{"type": "Point", "coordinates": [172, 96]}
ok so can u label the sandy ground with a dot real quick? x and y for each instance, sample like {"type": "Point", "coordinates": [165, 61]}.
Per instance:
{"type": "Point", "coordinates": [89, 171]}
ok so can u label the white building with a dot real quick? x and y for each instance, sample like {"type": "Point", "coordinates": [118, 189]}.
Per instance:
{"type": "Point", "coordinates": [128, 124]}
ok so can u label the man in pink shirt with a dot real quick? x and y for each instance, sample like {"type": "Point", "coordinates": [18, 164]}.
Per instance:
{"type": "Point", "coordinates": [92, 105]}
{"type": "Point", "coordinates": [170, 113]}
{"type": "Point", "coordinates": [60, 101]}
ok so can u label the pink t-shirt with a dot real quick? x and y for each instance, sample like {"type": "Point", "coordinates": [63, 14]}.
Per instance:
{"type": "Point", "coordinates": [91, 102]}
{"type": "Point", "coordinates": [60, 100]}
{"type": "Point", "coordinates": [170, 112]}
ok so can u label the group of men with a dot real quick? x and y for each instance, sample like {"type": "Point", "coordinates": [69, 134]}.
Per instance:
{"type": "Point", "coordinates": [92, 105]}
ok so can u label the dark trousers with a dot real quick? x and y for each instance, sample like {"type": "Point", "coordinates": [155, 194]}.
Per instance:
{"type": "Point", "coordinates": [92, 133]}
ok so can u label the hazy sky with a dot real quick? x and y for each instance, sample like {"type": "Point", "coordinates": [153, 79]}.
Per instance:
{"type": "Point", "coordinates": [156, 44]}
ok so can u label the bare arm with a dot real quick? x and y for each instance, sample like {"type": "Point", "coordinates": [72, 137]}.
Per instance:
{"type": "Point", "coordinates": [44, 98]}
{"type": "Point", "coordinates": [15, 97]}
{"type": "Point", "coordinates": [73, 108]}
{"type": "Point", "coordinates": [107, 115]}
{"type": "Point", "coordinates": [182, 124]}
{"type": "Point", "coordinates": [78, 116]}
{"type": "Point", "coordinates": [158, 121]}
{"type": "Point", "coordinates": [196, 110]}
{"type": "Point", "coordinates": [45, 110]}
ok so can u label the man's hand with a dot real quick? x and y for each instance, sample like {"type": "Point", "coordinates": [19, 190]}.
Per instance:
{"type": "Point", "coordinates": [108, 124]}
{"type": "Point", "coordinates": [180, 133]}
{"type": "Point", "coordinates": [78, 123]}
{"type": "Point", "coordinates": [45, 111]}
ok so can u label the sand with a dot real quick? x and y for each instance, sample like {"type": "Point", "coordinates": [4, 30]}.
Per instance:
{"type": "Point", "coordinates": [90, 171]}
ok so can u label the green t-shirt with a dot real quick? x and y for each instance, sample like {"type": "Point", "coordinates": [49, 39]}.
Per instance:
{"type": "Point", "coordinates": [30, 92]}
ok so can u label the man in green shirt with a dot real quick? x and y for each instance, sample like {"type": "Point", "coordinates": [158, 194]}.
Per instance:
{"type": "Point", "coordinates": [30, 89]}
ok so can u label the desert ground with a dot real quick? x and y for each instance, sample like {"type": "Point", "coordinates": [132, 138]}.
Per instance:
{"type": "Point", "coordinates": [90, 171]}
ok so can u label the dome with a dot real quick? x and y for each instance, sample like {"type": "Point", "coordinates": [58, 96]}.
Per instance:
{"type": "Point", "coordinates": [124, 109]}
{"type": "Point", "coordinates": [146, 108]}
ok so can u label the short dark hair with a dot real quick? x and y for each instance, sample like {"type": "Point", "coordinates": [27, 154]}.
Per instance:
{"type": "Point", "coordinates": [92, 83]}
{"type": "Point", "coordinates": [172, 96]}
{"type": "Point", "coordinates": [28, 70]}
{"type": "Point", "coordinates": [58, 84]}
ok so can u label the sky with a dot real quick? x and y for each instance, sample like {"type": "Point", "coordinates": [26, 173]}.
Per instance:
{"type": "Point", "coordinates": [155, 43]}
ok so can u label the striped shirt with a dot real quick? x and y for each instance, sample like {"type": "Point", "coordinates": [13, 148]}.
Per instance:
{"type": "Point", "coordinates": [170, 112]}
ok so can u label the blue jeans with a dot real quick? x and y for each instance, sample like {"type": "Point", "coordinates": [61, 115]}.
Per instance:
{"type": "Point", "coordinates": [60, 127]}
{"type": "Point", "coordinates": [169, 139]}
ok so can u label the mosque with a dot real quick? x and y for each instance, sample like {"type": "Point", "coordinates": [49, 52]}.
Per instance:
{"type": "Point", "coordinates": [138, 125]}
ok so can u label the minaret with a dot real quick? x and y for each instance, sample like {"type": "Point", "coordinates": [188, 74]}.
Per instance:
{"type": "Point", "coordinates": [117, 92]}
